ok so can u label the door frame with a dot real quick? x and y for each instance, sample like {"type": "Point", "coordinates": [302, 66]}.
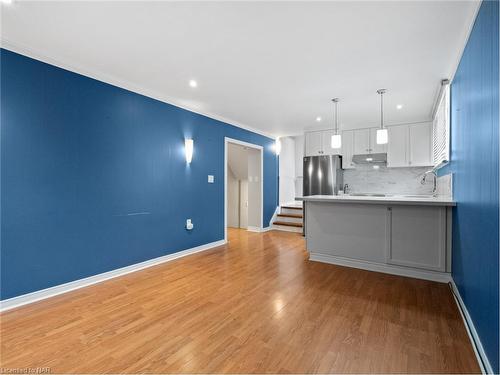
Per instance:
{"type": "Point", "coordinates": [228, 140]}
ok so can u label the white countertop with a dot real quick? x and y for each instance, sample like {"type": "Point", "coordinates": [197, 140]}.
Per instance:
{"type": "Point", "coordinates": [423, 200]}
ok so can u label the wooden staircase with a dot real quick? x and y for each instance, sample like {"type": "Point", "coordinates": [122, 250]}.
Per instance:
{"type": "Point", "coordinates": [289, 218]}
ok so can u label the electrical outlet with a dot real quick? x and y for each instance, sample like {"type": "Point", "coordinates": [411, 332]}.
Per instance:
{"type": "Point", "coordinates": [210, 179]}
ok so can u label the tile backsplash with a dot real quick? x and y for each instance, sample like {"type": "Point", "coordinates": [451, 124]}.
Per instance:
{"type": "Point", "coordinates": [365, 179]}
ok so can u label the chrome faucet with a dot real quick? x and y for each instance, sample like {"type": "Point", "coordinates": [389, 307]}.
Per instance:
{"type": "Point", "coordinates": [434, 175]}
{"type": "Point", "coordinates": [346, 188]}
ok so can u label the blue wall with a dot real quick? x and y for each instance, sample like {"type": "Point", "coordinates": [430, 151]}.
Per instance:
{"type": "Point", "coordinates": [474, 162]}
{"type": "Point", "coordinates": [94, 178]}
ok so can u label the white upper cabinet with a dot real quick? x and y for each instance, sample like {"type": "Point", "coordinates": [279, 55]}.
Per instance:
{"type": "Point", "coordinates": [397, 146]}
{"type": "Point", "coordinates": [320, 143]}
{"type": "Point", "coordinates": [347, 149]}
{"type": "Point", "coordinates": [314, 144]}
{"type": "Point", "coordinates": [420, 136]}
{"type": "Point", "coordinates": [365, 142]}
{"type": "Point", "coordinates": [374, 147]}
{"type": "Point", "coordinates": [362, 141]}
{"type": "Point", "coordinates": [409, 146]}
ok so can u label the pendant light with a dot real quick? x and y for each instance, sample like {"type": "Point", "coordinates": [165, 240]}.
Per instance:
{"type": "Point", "coordinates": [336, 137]}
{"type": "Point", "coordinates": [382, 134]}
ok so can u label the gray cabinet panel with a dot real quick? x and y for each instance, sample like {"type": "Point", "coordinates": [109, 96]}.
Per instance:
{"type": "Point", "coordinates": [416, 237]}
{"type": "Point", "coordinates": [355, 231]}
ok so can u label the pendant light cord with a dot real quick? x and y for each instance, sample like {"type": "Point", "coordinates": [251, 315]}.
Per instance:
{"type": "Point", "coordinates": [381, 92]}
{"type": "Point", "coordinates": [335, 115]}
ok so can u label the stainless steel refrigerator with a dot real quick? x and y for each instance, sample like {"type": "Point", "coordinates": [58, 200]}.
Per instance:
{"type": "Point", "coordinates": [323, 175]}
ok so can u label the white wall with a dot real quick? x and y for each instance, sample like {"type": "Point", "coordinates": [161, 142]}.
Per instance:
{"type": "Point", "coordinates": [237, 185]}
{"type": "Point", "coordinates": [244, 204]}
{"type": "Point", "coordinates": [233, 200]}
{"type": "Point", "coordinates": [237, 160]}
{"type": "Point", "coordinates": [254, 188]}
{"type": "Point", "coordinates": [290, 168]}
{"type": "Point", "coordinates": [287, 170]}
{"type": "Point", "coordinates": [299, 157]}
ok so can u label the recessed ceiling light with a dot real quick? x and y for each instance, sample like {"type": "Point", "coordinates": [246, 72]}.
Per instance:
{"type": "Point", "coordinates": [399, 106]}
{"type": "Point", "coordinates": [318, 119]}
{"type": "Point", "coordinates": [193, 83]}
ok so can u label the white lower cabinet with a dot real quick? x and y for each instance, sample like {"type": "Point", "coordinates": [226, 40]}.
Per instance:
{"type": "Point", "coordinates": [416, 237]}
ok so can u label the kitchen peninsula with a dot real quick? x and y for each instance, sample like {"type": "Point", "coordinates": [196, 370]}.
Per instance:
{"type": "Point", "coordinates": [408, 235]}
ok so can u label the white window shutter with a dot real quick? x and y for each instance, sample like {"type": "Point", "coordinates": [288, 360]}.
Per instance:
{"type": "Point", "coordinates": [441, 130]}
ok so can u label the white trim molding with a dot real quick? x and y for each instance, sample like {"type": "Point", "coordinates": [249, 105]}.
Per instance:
{"type": "Point", "coordinates": [228, 140]}
{"type": "Point", "coordinates": [440, 277]}
{"type": "Point", "coordinates": [481, 356]}
{"type": "Point", "coordinates": [39, 295]}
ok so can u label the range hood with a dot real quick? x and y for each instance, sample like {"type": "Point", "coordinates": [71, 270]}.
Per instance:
{"type": "Point", "coordinates": [380, 158]}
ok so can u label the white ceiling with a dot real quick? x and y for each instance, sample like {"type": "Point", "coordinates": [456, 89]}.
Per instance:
{"type": "Point", "coordinates": [270, 66]}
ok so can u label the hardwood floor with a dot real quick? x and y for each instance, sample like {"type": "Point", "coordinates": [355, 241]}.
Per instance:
{"type": "Point", "coordinates": [256, 305]}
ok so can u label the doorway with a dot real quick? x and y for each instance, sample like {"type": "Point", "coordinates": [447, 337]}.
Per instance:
{"type": "Point", "coordinates": [243, 188]}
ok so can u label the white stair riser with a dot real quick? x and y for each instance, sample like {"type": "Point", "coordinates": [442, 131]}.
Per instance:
{"type": "Point", "coordinates": [289, 219]}
{"type": "Point", "coordinates": [287, 229]}
{"type": "Point", "coordinates": [290, 211]}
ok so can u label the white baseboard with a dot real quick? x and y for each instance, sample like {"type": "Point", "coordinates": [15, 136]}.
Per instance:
{"type": "Point", "coordinates": [440, 277]}
{"type": "Point", "coordinates": [254, 229]}
{"type": "Point", "coordinates": [258, 229]}
{"type": "Point", "coordinates": [25, 299]}
{"type": "Point", "coordinates": [481, 356]}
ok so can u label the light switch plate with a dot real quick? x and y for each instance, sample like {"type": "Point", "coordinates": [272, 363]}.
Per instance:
{"type": "Point", "coordinates": [210, 179]}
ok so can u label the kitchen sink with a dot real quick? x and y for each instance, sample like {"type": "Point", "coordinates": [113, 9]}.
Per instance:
{"type": "Point", "coordinates": [418, 196]}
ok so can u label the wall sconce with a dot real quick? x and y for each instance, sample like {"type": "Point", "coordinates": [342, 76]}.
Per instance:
{"type": "Point", "coordinates": [277, 146]}
{"type": "Point", "coordinates": [188, 149]}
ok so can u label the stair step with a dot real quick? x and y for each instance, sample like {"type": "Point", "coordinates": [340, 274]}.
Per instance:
{"type": "Point", "coordinates": [288, 224]}
{"type": "Point", "coordinates": [297, 216]}
{"type": "Point", "coordinates": [292, 207]}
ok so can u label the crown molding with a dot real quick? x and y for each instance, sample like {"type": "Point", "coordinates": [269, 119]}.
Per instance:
{"type": "Point", "coordinates": [121, 83]}
{"type": "Point", "coordinates": [458, 58]}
